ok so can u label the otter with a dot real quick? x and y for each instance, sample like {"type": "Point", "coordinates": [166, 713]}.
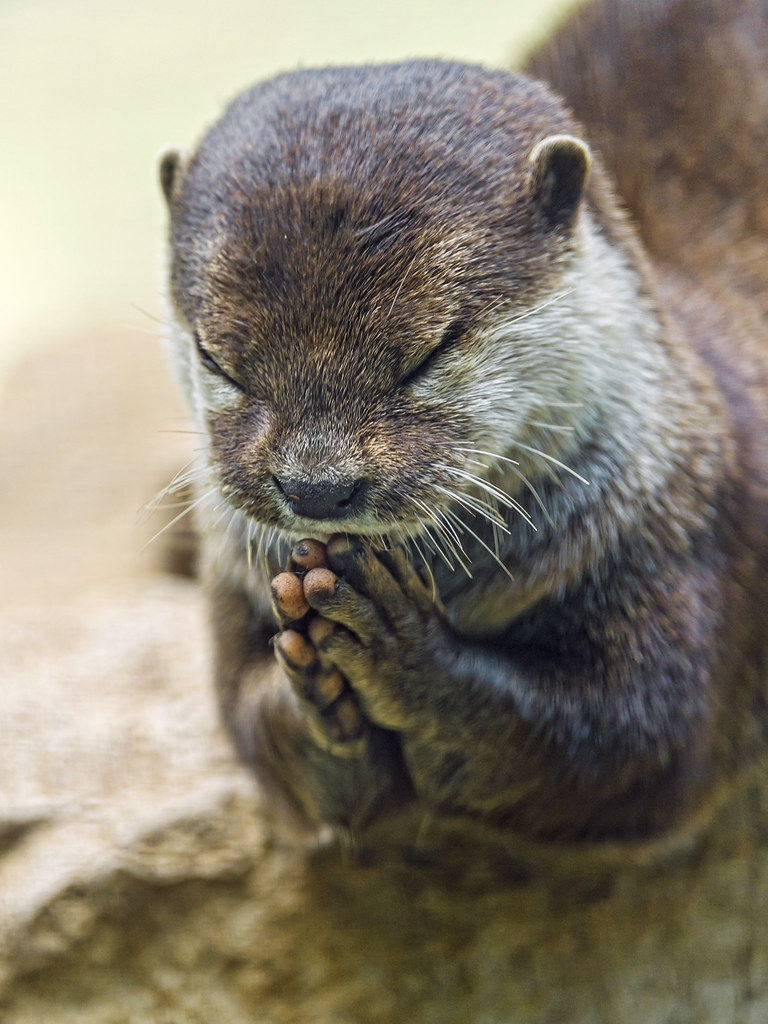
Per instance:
{"type": "Point", "coordinates": [483, 490]}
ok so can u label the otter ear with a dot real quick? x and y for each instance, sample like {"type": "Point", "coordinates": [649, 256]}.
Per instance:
{"type": "Point", "coordinates": [170, 168]}
{"type": "Point", "coordinates": [559, 168]}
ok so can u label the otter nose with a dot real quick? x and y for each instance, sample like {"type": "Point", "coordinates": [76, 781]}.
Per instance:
{"type": "Point", "coordinates": [322, 499]}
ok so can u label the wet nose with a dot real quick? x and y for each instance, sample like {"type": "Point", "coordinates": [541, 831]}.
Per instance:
{"type": "Point", "coordinates": [321, 499]}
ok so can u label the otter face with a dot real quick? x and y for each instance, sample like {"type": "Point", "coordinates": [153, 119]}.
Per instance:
{"type": "Point", "coordinates": [354, 253]}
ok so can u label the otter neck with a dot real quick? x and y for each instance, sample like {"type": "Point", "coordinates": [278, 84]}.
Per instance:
{"type": "Point", "coordinates": [593, 367]}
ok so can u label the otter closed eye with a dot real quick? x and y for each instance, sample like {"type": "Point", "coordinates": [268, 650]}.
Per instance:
{"type": "Point", "coordinates": [211, 364]}
{"type": "Point", "coordinates": [451, 334]}
{"type": "Point", "coordinates": [494, 473]}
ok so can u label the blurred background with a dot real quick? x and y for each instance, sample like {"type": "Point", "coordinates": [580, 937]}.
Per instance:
{"type": "Point", "coordinates": [91, 91]}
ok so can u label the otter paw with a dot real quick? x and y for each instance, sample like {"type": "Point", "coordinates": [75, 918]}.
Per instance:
{"type": "Point", "coordinates": [289, 604]}
{"type": "Point", "coordinates": [288, 601]}
{"type": "Point", "coordinates": [307, 554]}
{"type": "Point", "coordinates": [335, 717]}
{"type": "Point", "coordinates": [381, 625]}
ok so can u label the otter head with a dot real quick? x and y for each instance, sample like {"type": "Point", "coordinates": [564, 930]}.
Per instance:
{"type": "Point", "coordinates": [356, 255]}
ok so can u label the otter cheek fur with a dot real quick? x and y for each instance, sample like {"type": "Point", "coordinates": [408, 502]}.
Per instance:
{"type": "Point", "coordinates": [413, 324]}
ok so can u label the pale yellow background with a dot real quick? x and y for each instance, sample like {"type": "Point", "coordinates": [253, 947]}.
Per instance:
{"type": "Point", "coordinates": [91, 90]}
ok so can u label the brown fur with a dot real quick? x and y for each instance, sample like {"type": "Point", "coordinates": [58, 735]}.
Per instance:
{"type": "Point", "coordinates": [343, 242]}
{"type": "Point", "coordinates": [677, 105]}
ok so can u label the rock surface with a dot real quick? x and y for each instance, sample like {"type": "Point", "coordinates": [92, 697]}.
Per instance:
{"type": "Point", "coordinates": [139, 879]}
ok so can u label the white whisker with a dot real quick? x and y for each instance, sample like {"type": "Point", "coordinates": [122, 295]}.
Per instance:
{"type": "Point", "coordinates": [525, 447]}
{"type": "Point", "coordinates": [551, 426]}
{"type": "Point", "coordinates": [453, 543]}
{"type": "Point", "coordinates": [249, 544]}
{"type": "Point", "coordinates": [432, 543]}
{"type": "Point", "coordinates": [552, 459]}
{"type": "Point", "coordinates": [533, 310]}
{"type": "Point", "coordinates": [182, 479]}
{"type": "Point", "coordinates": [501, 496]}
{"type": "Point", "coordinates": [151, 316]}
{"type": "Point", "coordinates": [193, 504]}
{"type": "Point", "coordinates": [476, 507]}
{"type": "Point", "coordinates": [494, 554]}
{"type": "Point", "coordinates": [400, 286]}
